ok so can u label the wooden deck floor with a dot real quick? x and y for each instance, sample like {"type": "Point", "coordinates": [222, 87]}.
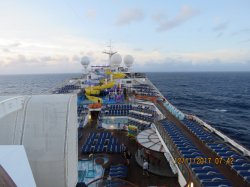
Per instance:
{"type": "Point", "coordinates": [135, 171]}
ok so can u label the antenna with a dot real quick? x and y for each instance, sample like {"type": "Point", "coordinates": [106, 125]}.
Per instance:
{"type": "Point", "coordinates": [109, 52]}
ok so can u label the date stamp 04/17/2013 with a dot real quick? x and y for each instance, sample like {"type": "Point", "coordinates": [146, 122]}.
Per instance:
{"type": "Point", "coordinates": [204, 160]}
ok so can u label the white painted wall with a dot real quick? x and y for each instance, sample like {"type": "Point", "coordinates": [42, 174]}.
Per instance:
{"type": "Point", "coordinates": [47, 127]}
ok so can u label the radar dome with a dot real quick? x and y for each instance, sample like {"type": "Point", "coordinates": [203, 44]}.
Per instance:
{"type": "Point", "coordinates": [128, 60]}
{"type": "Point", "coordinates": [116, 59]}
{"type": "Point", "coordinates": [85, 61]}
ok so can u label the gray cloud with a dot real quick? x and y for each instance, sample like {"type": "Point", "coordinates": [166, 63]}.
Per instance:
{"type": "Point", "coordinates": [245, 41]}
{"type": "Point", "coordinates": [158, 17]}
{"type": "Point", "coordinates": [76, 58]}
{"type": "Point", "coordinates": [138, 49]}
{"type": "Point", "coordinates": [185, 14]}
{"type": "Point", "coordinates": [177, 65]}
{"type": "Point", "coordinates": [219, 34]}
{"type": "Point", "coordinates": [9, 47]}
{"type": "Point", "coordinates": [40, 64]}
{"type": "Point", "coordinates": [38, 60]}
{"type": "Point", "coordinates": [221, 26]}
{"type": "Point", "coordinates": [15, 44]}
{"type": "Point", "coordinates": [242, 31]}
{"type": "Point", "coordinates": [130, 15]}
{"type": "Point", "coordinates": [6, 50]}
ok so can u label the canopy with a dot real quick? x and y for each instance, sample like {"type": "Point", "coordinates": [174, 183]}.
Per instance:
{"type": "Point", "coordinates": [149, 139]}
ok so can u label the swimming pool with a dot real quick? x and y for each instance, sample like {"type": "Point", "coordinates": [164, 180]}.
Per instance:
{"type": "Point", "coordinates": [89, 171]}
{"type": "Point", "coordinates": [115, 120]}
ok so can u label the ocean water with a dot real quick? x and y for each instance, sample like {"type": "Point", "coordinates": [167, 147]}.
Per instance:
{"type": "Point", "coordinates": [221, 99]}
{"type": "Point", "coordinates": [31, 84]}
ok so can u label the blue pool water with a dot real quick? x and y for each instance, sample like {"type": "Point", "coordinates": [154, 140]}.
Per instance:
{"type": "Point", "coordinates": [87, 171]}
{"type": "Point", "coordinates": [115, 120]}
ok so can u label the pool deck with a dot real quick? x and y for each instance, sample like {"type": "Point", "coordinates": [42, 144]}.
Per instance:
{"type": "Point", "coordinates": [134, 170]}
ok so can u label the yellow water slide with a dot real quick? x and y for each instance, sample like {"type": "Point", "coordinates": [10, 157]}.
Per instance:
{"type": "Point", "coordinates": [94, 99]}
{"type": "Point", "coordinates": [116, 75]}
{"type": "Point", "coordinates": [95, 90]}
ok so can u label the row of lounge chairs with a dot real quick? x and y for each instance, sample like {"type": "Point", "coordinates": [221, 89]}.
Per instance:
{"type": "Point", "coordinates": [141, 117]}
{"type": "Point", "coordinates": [113, 111]}
{"type": "Point", "coordinates": [207, 174]}
{"type": "Point", "coordinates": [116, 183]}
{"type": "Point", "coordinates": [111, 148]}
{"type": "Point", "coordinates": [140, 126]}
{"type": "Point", "coordinates": [67, 89]}
{"type": "Point", "coordinates": [142, 86]}
{"type": "Point", "coordinates": [81, 108]}
{"type": "Point", "coordinates": [199, 131]}
{"type": "Point", "coordinates": [80, 122]}
{"type": "Point", "coordinates": [100, 137]}
{"type": "Point", "coordinates": [118, 171]}
{"type": "Point", "coordinates": [240, 164]}
{"type": "Point", "coordinates": [145, 90]}
{"type": "Point", "coordinates": [102, 142]}
{"type": "Point", "coordinates": [116, 112]}
{"type": "Point", "coordinates": [151, 94]}
{"type": "Point", "coordinates": [119, 107]}
{"type": "Point", "coordinates": [144, 110]}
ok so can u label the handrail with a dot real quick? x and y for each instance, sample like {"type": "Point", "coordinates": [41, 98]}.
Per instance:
{"type": "Point", "coordinates": [161, 107]}
{"type": "Point", "coordinates": [188, 179]}
{"type": "Point", "coordinates": [113, 178]}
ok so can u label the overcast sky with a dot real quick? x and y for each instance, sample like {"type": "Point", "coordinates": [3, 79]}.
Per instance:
{"type": "Point", "coordinates": [46, 36]}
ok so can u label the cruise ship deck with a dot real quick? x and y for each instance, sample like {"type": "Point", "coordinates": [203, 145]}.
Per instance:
{"type": "Point", "coordinates": [189, 152]}
{"type": "Point", "coordinates": [135, 172]}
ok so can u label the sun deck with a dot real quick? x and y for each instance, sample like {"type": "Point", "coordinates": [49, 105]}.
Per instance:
{"type": "Point", "coordinates": [189, 140]}
{"type": "Point", "coordinates": [135, 172]}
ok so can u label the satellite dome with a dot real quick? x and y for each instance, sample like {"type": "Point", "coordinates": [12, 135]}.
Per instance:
{"type": "Point", "coordinates": [128, 60]}
{"type": "Point", "coordinates": [116, 59]}
{"type": "Point", "coordinates": [85, 61]}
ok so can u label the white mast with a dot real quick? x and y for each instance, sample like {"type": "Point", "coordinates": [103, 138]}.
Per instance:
{"type": "Point", "coordinates": [109, 52]}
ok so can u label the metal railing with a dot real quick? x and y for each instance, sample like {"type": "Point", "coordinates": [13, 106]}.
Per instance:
{"type": "Point", "coordinates": [173, 149]}
{"type": "Point", "coordinates": [105, 181]}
